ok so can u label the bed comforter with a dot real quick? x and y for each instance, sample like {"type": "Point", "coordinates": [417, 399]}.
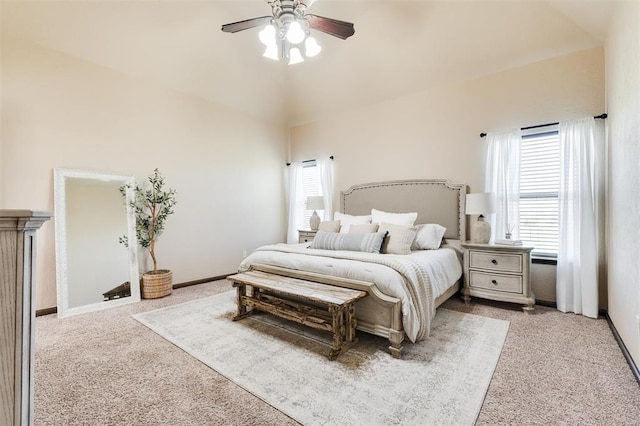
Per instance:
{"type": "Point", "coordinates": [416, 279]}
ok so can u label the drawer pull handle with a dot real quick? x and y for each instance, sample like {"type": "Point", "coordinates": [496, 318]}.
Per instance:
{"type": "Point", "coordinates": [494, 282]}
{"type": "Point", "coordinates": [495, 262]}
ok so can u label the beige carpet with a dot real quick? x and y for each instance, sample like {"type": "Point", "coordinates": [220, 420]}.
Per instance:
{"type": "Point", "coordinates": [439, 381]}
{"type": "Point", "coordinates": [105, 368]}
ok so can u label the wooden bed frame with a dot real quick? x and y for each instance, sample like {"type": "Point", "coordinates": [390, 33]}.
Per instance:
{"type": "Point", "coordinates": [435, 201]}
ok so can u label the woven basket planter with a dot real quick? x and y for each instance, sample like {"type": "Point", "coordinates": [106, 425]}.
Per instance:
{"type": "Point", "coordinates": [156, 285]}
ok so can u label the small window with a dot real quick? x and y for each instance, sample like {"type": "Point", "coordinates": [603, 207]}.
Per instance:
{"type": "Point", "coordinates": [539, 184]}
{"type": "Point", "coordinates": [310, 186]}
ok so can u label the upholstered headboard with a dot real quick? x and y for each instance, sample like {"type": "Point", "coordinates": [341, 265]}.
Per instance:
{"type": "Point", "coordinates": [435, 200]}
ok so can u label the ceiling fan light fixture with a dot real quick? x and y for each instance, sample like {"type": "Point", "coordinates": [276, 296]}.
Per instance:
{"type": "Point", "coordinates": [271, 52]}
{"type": "Point", "coordinates": [288, 27]}
{"type": "Point", "coordinates": [268, 35]}
{"type": "Point", "coordinates": [312, 48]}
{"type": "Point", "coordinates": [295, 57]}
{"type": "Point", "coordinates": [295, 33]}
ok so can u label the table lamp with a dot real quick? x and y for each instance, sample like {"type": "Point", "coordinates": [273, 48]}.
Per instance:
{"type": "Point", "coordinates": [314, 203]}
{"type": "Point", "coordinates": [481, 203]}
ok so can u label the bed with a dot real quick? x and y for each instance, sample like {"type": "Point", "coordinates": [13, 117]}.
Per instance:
{"type": "Point", "coordinates": [403, 290]}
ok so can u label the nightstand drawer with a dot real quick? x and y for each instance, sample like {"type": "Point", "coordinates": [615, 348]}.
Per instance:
{"type": "Point", "coordinates": [306, 236]}
{"type": "Point", "coordinates": [495, 261]}
{"type": "Point", "coordinates": [497, 282]}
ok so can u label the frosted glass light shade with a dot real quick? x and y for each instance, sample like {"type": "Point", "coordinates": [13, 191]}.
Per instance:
{"type": "Point", "coordinates": [268, 35]}
{"type": "Point", "coordinates": [271, 52]}
{"type": "Point", "coordinates": [312, 48]}
{"type": "Point", "coordinates": [295, 57]}
{"type": "Point", "coordinates": [295, 33]}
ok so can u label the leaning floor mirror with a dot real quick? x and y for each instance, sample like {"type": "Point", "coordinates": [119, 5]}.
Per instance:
{"type": "Point", "coordinates": [93, 270]}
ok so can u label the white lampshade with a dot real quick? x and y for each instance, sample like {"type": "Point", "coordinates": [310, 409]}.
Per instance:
{"type": "Point", "coordinates": [315, 202]}
{"type": "Point", "coordinates": [271, 52]}
{"type": "Point", "coordinates": [312, 48]}
{"type": "Point", "coordinates": [295, 33]}
{"type": "Point", "coordinates": [295, 57]}
{"type": "Point", "coordinates": [268, 35]}
{"type": "Point", "coordinates": [480, 203]}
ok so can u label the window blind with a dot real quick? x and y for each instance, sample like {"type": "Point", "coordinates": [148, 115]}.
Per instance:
{"type": "Point", "coordinates": [539, 183]}
{"type": "Point", "coordinates": [310, 187]}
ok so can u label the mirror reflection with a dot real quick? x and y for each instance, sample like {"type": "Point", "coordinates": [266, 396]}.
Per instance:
{"type": "Point", "coordinates": [94, 271]}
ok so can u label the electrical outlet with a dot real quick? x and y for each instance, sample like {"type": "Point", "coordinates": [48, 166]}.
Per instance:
{"type": "Point", "coordinates": [244, 254]}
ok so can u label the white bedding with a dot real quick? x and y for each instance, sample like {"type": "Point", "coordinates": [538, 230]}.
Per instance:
{"type": "Point", "coordinates": [416, 279]}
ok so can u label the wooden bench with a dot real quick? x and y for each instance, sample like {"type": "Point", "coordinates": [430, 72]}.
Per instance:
{"type": "Point", "coordinates": [321, 306]}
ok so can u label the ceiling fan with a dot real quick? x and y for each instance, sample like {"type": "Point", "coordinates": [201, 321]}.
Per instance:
{"type": "Point", "coordinates": [289, 26]}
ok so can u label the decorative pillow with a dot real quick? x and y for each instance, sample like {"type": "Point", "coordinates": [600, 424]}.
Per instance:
{"type": "Point", "coordinates": [429, 237]}
{"type": "Point", "coordinates": [365, 228]}
{"type": "Point", "coordinates": [399, 239]}
{"type": "Point", "coordinates": [346, 220]}
{"type": "Point", "coordinates": [329, 226]}
{"type": "Point", "coordinates": [369, 243]}
{"type": "Point", "coordinates": [406, 219]}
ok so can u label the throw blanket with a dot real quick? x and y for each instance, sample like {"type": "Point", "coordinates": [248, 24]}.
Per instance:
{"type": "Point", "coordinates": [418, 302]}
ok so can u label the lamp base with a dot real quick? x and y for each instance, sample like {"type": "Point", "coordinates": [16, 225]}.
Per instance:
{"type": "Point", "coordinates": [314, 221]}
{"type": "Point", "coordinates": [480, 231]}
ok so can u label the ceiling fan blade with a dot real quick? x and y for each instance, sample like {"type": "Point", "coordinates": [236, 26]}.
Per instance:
{"type": "Point", "coordinates": [246, 24]}
{"type": "Point", "coordinates": [334, 27]}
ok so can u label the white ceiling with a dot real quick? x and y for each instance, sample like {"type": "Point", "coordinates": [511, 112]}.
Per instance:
{"type": "Point", "coordinates": [399, 47]}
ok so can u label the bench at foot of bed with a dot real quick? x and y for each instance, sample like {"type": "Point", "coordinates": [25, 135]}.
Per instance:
{"type": "Point", "coordinates": [316, 305]}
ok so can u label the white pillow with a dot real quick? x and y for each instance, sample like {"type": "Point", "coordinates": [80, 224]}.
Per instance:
{"type": "Point", "coordinates": [405, 219]}
{"type": "Point", "coordinates": [399, 238]}
{"type": "Point", "coordinates": [346, 220]}
{"type": "Point", "coordinates": [429, 237]}
{"type": "Point", "coordinates": [329, 226]}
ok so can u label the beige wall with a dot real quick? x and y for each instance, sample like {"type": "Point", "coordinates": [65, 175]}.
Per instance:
{"type": "Point", "coordinates": [59, 111]}
{"type": "Point", "coordinates": [623, 105]}
{"type": "Point", "coordinates": [435, 133]}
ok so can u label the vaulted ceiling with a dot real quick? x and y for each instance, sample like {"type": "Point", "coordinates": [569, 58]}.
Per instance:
{"type": "Point", "coordinates": [400, 47]}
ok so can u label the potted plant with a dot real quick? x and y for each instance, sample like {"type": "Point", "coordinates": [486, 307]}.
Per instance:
{"type": "Point", "coordinates": [152, 204]}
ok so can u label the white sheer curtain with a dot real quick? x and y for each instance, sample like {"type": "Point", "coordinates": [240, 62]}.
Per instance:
{"type": "Point", "coordinates": [580, 201]}
{"type": "Point", "coordinates": [502, 177]}
{"type": "Point", "coordinates": [296, 203]}
{"type": "Point", "coordinates": [325, 171]}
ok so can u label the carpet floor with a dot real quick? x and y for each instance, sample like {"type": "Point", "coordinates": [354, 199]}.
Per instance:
{"type": "Point", "coordinates": [105, 368]}
{"type": "Point", "coordinates": [442, 380]}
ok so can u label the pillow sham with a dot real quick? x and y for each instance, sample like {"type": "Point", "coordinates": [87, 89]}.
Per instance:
{"type": "Point", "coordinates": [406, 219]}
{"type": "Point", "coordinates": [399, 238]}
{"type": "Point", "coordinates": [368, 243]}
{"type": "Point", "coordinates": [346, 220]}
{"type": "Point", "coordinates": [329, 226]}
{"type": "Point", "coordinates": [364, 228]}
{"type": "Point", "coordinates": [428, 237]}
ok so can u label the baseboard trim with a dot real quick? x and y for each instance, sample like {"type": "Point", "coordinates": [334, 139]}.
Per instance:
{"type": "Point", "coordinates": [547, 304]}
{"type": "Point", "coordinates": [201, 281]}
{"type": "Point", "coordinates": [623, 348]}
{"type": "Point", "coordinates": [46, 311]}
{"type": "Point", "coordinates": [54, 310]}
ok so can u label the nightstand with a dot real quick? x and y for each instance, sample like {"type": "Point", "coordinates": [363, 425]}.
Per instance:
{"type": "Point", "coordinates": [305, 235]}
{"type": "Point", "coordinates": [498, 272]}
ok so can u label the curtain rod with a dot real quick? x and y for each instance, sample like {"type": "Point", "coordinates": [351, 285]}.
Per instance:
{"type": "Point", "coordinates": [308, 161]}
{"type": "Point", "coordinates": [601, 116]}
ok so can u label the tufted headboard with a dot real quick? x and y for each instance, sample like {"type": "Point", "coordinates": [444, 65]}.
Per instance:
{"type": "Point", "coordinates": [436, 201]}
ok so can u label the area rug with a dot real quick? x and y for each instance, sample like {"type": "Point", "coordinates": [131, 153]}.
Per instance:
{"type": "Point", "coordinates": [440, 381]}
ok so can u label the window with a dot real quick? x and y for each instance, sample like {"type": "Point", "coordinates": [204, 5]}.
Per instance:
{"type": "Point", "coordinates": [539, 184]}
{"type": "Point", "coordinates": [310, 186]}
